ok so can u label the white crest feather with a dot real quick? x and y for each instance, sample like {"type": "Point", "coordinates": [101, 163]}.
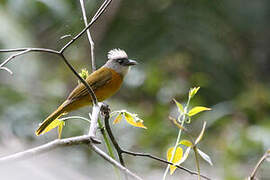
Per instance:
{"type": "Point", "coordinates": [117, 54]}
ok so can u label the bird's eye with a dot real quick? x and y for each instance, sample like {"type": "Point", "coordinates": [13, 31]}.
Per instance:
{"type": "Point", "coordinates": [120, 61]}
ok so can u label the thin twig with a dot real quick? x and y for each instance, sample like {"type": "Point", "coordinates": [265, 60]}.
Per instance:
{"type": "Point", "coordinates": [114, 162]}
{"type": "Point", "coordinates": [259, 163]}
{"type": "Point", "coordinates": [91, 42]}
{"type": "Point", "coordinates": [164, 161]}
{"type": "Point", "coordinates": [89, 89]}
{"type": "Point", "coordinates": [96, 16]}
{"type": "Point", "coordinates": [65, 142]}
{"type": "Point", "coordinates": [108, 129]}
{"type": "Point", "coordinates": [106, 112]}
{"type": "Point", "coordinates": [13, 56]}
{"type": "Point", "coordinates": [30, 49]}
{"type": "Point", "coordinates": [74, 117]}
{"type": "Point", "coordinates": [21, 52]}
{"type": "Point", "coordinates": [6, 69]}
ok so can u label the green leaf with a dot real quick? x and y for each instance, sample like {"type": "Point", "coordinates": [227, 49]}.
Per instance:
{"type": "Point", "coordinates": [192, 92]}
{"type": "Point", "coordinates": [199, 138]}
{"type": "Point", "coordinates": [197, 110]}
{"type": "Point", "coordinates": [189, 145]}
{"type": "Point", "coordinates": [180, 106]}
{"type": "Point", "coordinates": [176, 158]}
{"type": "Point", "coordinates": [134, 120]}
{"type": "Point", "coordinates": [131, 118]}
{"type": "Point", "coordinates": [185, 156]}
{"type": "Point", "coordinates": [205, 157]}
{"type": "Point", "coordinates": [60, 128]}
{"type": "Point", "coordinates": [84, 73]}
{"type": "Point", "coordinates": [268, 155]}
{"type": "Point", "coordinates": [186, 143]}
{"type": "Point", "coordinates": [118, 118]}
{"type": "Point", "coordinates": [52, 125]}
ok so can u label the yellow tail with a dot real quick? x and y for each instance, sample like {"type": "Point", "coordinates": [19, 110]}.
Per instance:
{"type": "Point", "coordinates": [55, 115]}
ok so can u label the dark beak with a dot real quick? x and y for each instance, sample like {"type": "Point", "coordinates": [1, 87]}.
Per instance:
{"type": "Point", "coordinates": [131, 62]}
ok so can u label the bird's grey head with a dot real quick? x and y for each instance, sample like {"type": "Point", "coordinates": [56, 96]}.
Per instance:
{"type": "Point", "coordinates": [118, 61]}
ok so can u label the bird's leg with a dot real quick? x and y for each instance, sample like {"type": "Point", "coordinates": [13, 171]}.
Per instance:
{"type": "Point", "coordinates": [105, 109]}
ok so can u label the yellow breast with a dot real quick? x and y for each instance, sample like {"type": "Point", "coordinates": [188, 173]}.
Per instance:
{"type": "Point", "coordinates": [110, 88]}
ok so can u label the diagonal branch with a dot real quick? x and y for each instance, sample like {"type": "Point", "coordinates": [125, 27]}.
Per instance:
{"type": "Point", "coordinates": [259, 163]}
{"type": "Point", "coordinates": [96, 16]}
{"type": "Point", "coordinates": [114, 162]}
{"type": "Point", "coordinates": [21, 51]}
{"type": "Point", "coordinates": [66, 142]}
{"type": "Point", "coordinates": [10, 58]}
{"type": "Point", "coordinates": [45, 148]}
{"type": "Point", "coordinates": [164, 161]}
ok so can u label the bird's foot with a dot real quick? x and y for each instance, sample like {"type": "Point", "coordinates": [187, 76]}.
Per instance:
{"type": "Point", "coordinates": [105, 109]}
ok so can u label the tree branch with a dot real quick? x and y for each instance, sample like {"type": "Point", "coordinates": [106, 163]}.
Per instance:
{"type": "Point", "coordinates": [45, 148]}
{"type": "Point", "coordinates": [106, 112]}
{"type": "Point", "coordinates": [114, 162]}
{"type": "Point", "coordinates": [66, 142]}
{"type": "Point", "coordinates": [21, 51]}
{"type": "Point", "coordinates": [259, 163]}
{"type": "Point", "coordinates": [96, 16]}
{"type": "Point", "coordinates": [91, 42]}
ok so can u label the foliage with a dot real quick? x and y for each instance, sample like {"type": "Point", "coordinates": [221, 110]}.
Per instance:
{"type": "Point", "coordinates": [131, 118]}
{"type": "Point", "coordinates": [175, 154]}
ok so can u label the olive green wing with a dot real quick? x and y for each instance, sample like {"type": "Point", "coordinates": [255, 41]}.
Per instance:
{"type": "Point", "coordinates": [97, 79]}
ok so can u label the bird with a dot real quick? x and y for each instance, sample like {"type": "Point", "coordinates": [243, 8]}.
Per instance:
{"type": "Point", "coordinates": [105, 82]}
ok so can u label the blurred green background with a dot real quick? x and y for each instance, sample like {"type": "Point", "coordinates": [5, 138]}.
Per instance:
{"type": "Point", "coordinates": [221, 46]}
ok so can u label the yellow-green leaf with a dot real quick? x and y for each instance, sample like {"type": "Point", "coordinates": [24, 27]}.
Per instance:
{"type": "Point", "coordinates": [199, 138]}
{"type": "Point", "coordinates": [118, 118]}
{"type": "Point", "coordinates": [134, 121]}
{"type": "Point", "coordinates": [180, 106]}
{"type": "Point", "coordinates": [189, 144]}
{"type": "Point", "coordinates": [185, 156]}
{"type": "Point", "coordinates": [60, 128]}
{"type": "Point", "coordinates": [176, 159]}
{"type": "Point", "coordinates": [197, 110]}
{"type": "Point", "coordinates": [53, 125]}
{"type": "Point", "coordinates": [268, 155]}
{"type": "Point", "coordinates": [186, 143]}
{"type": "Point", "coordinates": [192, 92]}
{"type": "Point", "coordinates": [84, 73]}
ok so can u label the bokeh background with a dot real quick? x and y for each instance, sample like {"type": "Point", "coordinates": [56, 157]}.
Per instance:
{"type": "Point", "coordinates": [221, 46]}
